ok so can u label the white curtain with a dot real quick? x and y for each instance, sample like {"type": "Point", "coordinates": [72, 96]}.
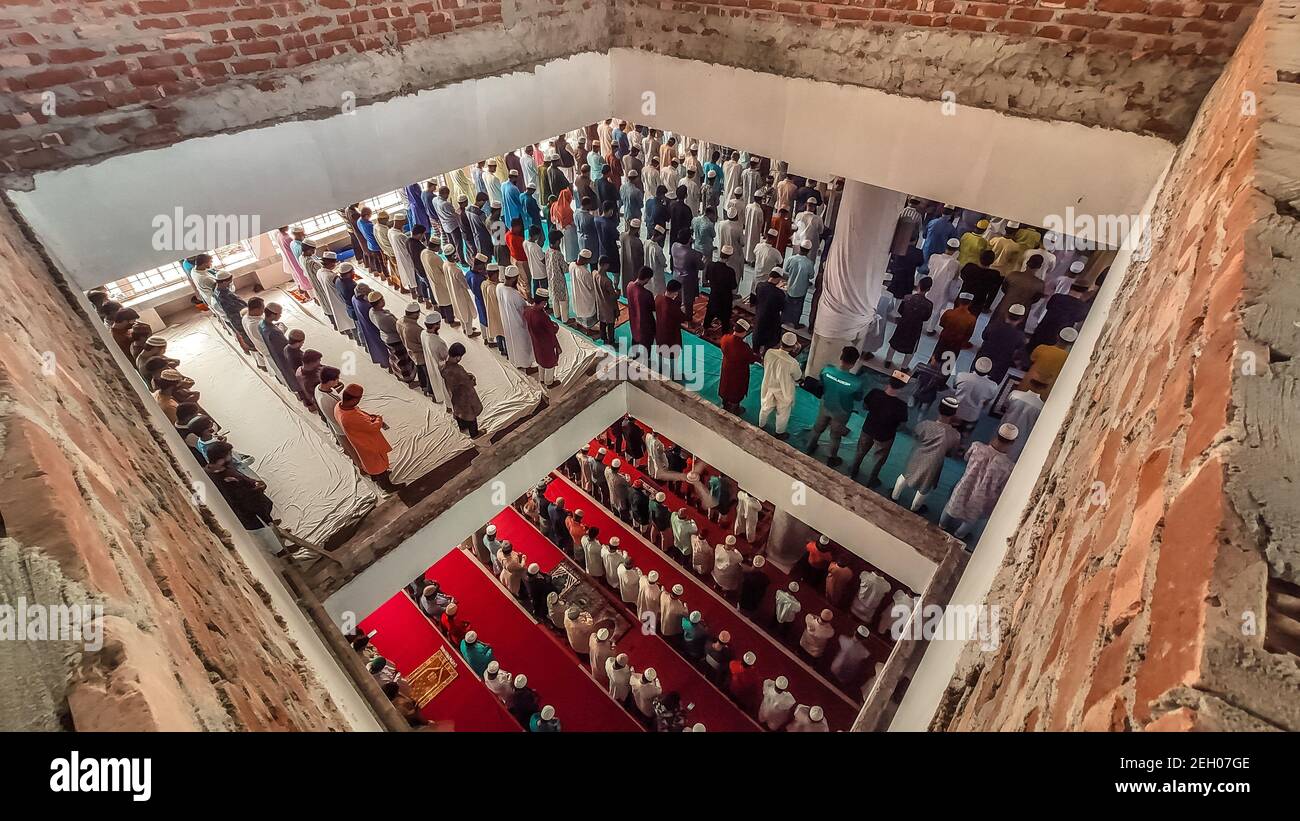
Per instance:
{"type": "Point", "coordinates": [858, 256]}
{"type": "Point", "coordinates": [864, 231]}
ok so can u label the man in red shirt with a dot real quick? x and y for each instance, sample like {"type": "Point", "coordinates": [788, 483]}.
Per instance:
{"type": "Point", "coordinates": [781, 224]}
{"type": "Point", "coordinates": [746, 684]}
{"type": "Point", "coordinates": [452, 625]}
{"type": "Point", "coordinates": [543, 332]}
{"type": "Point", "coordinates": [669, 318]}
{"type": "Point", "coordinates": [641, 310]}
{"type": "Point", "coordinates": [737, 356]}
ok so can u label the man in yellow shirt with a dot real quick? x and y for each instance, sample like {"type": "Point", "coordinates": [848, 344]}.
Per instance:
{"type": "Point", "coordinates": [1048, 361]}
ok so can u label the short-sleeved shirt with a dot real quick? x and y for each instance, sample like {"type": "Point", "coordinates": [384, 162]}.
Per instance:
{"type": "Point", "coordinates": [841, 391]}
{"type": "Point", "coordinates": [884, 414]}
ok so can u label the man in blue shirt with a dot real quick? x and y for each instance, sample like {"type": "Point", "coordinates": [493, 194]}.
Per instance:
{"type": "Point", "coordinates": [512, 200]}
{"type": "Point", "coordinates": [937, 233]}
{"type": "Point", "coordinates": [798, 272]}
{"type": "Point", "coordinates": [842, 390]}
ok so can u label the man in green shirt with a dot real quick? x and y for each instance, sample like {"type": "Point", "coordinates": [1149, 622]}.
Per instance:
{"type": "Point", "coordinates": [842, 390]}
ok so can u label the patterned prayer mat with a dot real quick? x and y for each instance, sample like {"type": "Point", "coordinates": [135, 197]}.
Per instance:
{"type": "Point", "coordinates": [432, 677]}
{"type": "Point", "coordinates": [576, 590]}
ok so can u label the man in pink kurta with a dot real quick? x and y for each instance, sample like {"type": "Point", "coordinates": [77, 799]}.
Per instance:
{"type": "Point", "coordinates": [292, 267]}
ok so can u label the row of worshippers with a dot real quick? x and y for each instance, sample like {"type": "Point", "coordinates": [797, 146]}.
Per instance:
{"type": "Point", "coordinates": [394, 685]}
{"type": "Point", "coordinates": [656, 606]}
{"type": "Point", "coordinates": [514, 692]}
{"type": "Point", "coordinates": [739, 578]}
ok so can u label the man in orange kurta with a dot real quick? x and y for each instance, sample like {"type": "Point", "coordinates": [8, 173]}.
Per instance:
{"type": "Point", "coordinates": [365, 431]}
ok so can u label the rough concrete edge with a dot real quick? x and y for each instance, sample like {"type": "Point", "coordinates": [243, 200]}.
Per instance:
{"type": "Point", "coordinates": [219, 534]}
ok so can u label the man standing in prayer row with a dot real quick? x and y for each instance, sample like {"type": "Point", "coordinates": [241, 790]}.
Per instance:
{"type": "Point", "coordinates": [544, 335]}
{"type": "Point", "coordinates": [370, 338]}
{"type": "Point", "coordinates": [934, 440]}
{"type": "Point", "coordinates": [722, 281]}
{"type": "Point", "coordinates": [365, 432]}
{"type": "Point", "coordinates": [781, 373]}
{"type": "Point", "coordinates": [988, 466]}
{"type": "Point", "coordinates": [399, 362]}
{"type": "Point", "coordinates": [512, 304]}
{"type": "Point", "coordinates": [641, 311]}
{"type": "Point", "coordinates": [434, 348]}
{"type": "Point", "coordinates": [886, 412]}
{"type": "Point", "coordinates": [737, 357]}
{"type": "Point", "coordinates": [408, 327]}
{"type": "Point", "coordinates": [606, 300]}
{"type": "Point", "coordinates": [465, 403]}
{"type": "Point", "coordinates": [842, 389]}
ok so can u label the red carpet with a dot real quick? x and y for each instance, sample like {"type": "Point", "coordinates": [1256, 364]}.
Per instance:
{"type": "Point", "coordinates": [773, 659]}
{"type": "Point", "coordinates": [712, 708]}
{"type": "Point", "coordinates": [523, 646]}
{"type": "Point", "coordinates": [406, 639]}
{"type": "Point", "coordinates": [813, 599]}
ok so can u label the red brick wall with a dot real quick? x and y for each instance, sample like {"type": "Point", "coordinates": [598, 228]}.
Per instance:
{"type": "Point", "coordinates": [1140, 570]}
{"type": "Point", "coordinates": [106, 60]}
{"type": "Point", "coordinates": [95, 512]}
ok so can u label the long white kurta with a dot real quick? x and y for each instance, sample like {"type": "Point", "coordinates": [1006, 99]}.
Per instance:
{"type": "Point", "coordinates": [462, 301]}
{"type": "Point", "coordinates": [729, 233]}
{"type": "Point", "coordinates": [582, 290]}
{"type": "Point", "coordinates": [620, 679]}
{"type": "Point", "coordinates": [644, 693]}
{"type": "Point", "coordinates": [341, 318]}
{"type": "Point", "coordinates": [519, 345]}
{"type": "Point", "coordinates": [402, 253]}
{"type": "Point", "coordinates": [777, 706]}
{"type": "Point", "coordinates": [781, 372]}
{"type": "Point", "coordinates": [943, 270]}
{"type": "Point", "coordinates": [809, 226]}
{"type": "Point", "coordinates": [435, 356]}
{"type": "Point", "coordinates": [755, 225]}
{"type": "Point", "coordinates": [656, 262]}
{"type": "Point", "coordinates": [747, 510]}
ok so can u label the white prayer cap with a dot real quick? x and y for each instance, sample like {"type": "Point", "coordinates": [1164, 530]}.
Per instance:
{"type": "Point", "coordinates": [534, 568]}
{"type": "Point", "coordinates": [806, 244]}
{"type": "Point", "coordinates": [789, 339]}
{"type": "Point", "coordinates": [743, 324]}
{"type": "Point", "coordinates": [329, 255]}
{"type": "Point", "coordinates": [730, 540]}
{"type": "Point", "coordinates": [1076, 266]}
{"type": "Point", "coordinates": [759, 561]}
{"type": "Point", "coordinates": [749, 658]}
{"type": "Point", "coordinates": [983, 365]}
{"type": "Point", "coordinates": [778, 271]}
{"type": "Point", "coordinates": [621, 659]}
{"type": "Point", "coordinates": [793, 587]}
{"type": "Point", "coordinates": [471, 637]}
{"type": "Point", "coordinates": [492, 266]}
{"type": "Point", "coordinates": [823, 540]}
{"type": "Point", "coordinates": [491, 530]}
{"type": "Point", "coordinates": [649, 674]}
{"type": "Point", "coordinates": [954, 243]}
{"type": "Point", "coordinates": [602, 451]}
{"type": "Point", "coordinates": [966, 295]}
{"type": "Point", "coordinates": [602, 634]}
{"type": "Point", "coordinates": [693, 476]}
{"type": "Point", "coordinates": [863, 631]}
{"type": "Point", "coordinates": [633, 173]}
{"type": "Point", "coordinates": [547, 713]}
{"type": "Point", "coordinates": [659, 497]}
{"type": "Point", "coordinates": [585, 253]}
{"type": "Point", "coordinates": [678, 590]}
{"type": "Point", "coordinates": [494, 203]}
{"type": "Point", "coordinates": [616, 464]}
{"type": "Point", "coordinates": [543, 293]}
{"type": "Point", "coordinates": [512, 271]}
{"type": "Point", "coordinates": [672, 195]}
{"type": "Point", "coordinates": [412, 307]}
{"type": "Point", "coordinates": [811, 200]}
{"type": "Point", "coordinates": [727, 250]}
{"type": "Point", "coordinates": [613, 542]}
{"type": "Point", "coordinates": [493, 666]}
{"type": "Point", "coordinates": [1069, 334]}
{"type": "Point", "coordinates": [1008, 431]}
{"type": "Point", "coordinates": [296, 229]}
{"type": "Point", "coordinates": [951, 402]}
{"type": "Point", "coordinates": [652, 576]}
{"type": "Point", "coordinates": [735, 192]}
{"type": "Point", "coordinates": [345, 268]}
{"type": "Point", "coordinates": [1016, 310]}
{"type": "Point", "coordinates": [492, 162]}
{"type": "Point", "coordinates": [374, 296]}
{"type": "Point", "coordinates": [697, 727]}
{"type": "Point", "coordinates": [815, 713]}
{"type": "Point", "coordinates": [433, 320]}
{"type": "Point", "coordinates": [712, 173]}
{"type": "Point", "coordinates": [760, 192]}
{"type": "Point", "coordinates": [634, 222]}
{"type": "Point", "coordinates": [771, 232]}
{"type": "Point", "coordinates": [694, 617]}
{"type": "Point", "coordinates": [551, 155]}
{"type": "Point", "coordinates": [480, 258]}
{"type": "Point", "coordinates": [513, 173]}
{"type": "Point", "coordinates": [1013, 224]}
{"type": "Point", "coordinates": [521, 680]}
{"type": "Point", "coordinates": [781, 682]}
{"type": "Point", "coordinates": [222, 276]}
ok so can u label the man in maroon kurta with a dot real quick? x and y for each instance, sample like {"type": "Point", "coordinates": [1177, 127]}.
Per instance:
{"type": "Point", "coordinates": [669, 318]}
{"type": "Point", "coordinates": [543, 332]}
{"type": "Point", "coordinates": [737, 356]}
{"type": "Point", "coordinates": [641, 309]}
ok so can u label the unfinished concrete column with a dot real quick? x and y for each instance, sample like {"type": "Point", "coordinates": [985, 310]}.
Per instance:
{"type": "Point", "coordinates": [855, 267]}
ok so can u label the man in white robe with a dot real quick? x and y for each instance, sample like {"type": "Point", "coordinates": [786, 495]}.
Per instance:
{"type": "Point", "coordinates": [656, 261]}
{"type": "Point", "coordinates": [781, 373]}
{"type": "Point", "coordinates": [519, 344]}
{"type": "Point", "coordinates": [730, 233]}
{"type": "Point", "coordinates": [731, 173]}
{"type": "Point", "coordinates": [943, 270]}
{"type": "Point", "coordinates": [435, 356]}
{"type": "Point", "coordinates": [618, 675]}
{"type": "Point", "coordinates": [647, 599]}
{"type": "Point", "coordinates": [751, 181]}
{"type": "Point", "coordinates": [612, 558]}
{"type": "Point", "coordinates": [582, 289]}
{"type": "Point", "coordinates": [778, 704]}
{"type": "Point", "coordinates": [462, 299]}
{"type": "Point", "coordinates": [1023, 408]}
{"type": "Point", "coordinates": [766, 256]}
{"type": "Point", "coordinates": [645, 689]}
{"type": "Point", "coordinates": [809, 226]}
{"type": "Point", "coordinates": [329, 275]}
{"type": "Point", "coordinates": [747, 509]}
{"type": "Point", "coordinates": [402, 253]}
{"type": "Point", "coordinates": [755, 223]}
{"type": "Point", "coordinates": [629, 581]}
